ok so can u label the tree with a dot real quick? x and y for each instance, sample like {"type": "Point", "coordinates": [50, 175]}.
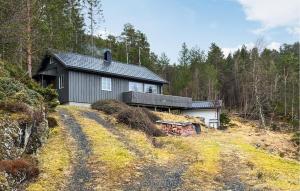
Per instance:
{"type": "Point", "coordinates": [95, 16]}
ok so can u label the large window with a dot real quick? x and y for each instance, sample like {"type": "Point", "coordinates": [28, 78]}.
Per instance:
{"type": "Point", "coordinates": [150, 88]}
{"type": "Point", "coordinates": [61, 82]}
{"type": "Point", "coordinates": [106, 84]}
{"type": "Point", "coordinates": [136, 86]}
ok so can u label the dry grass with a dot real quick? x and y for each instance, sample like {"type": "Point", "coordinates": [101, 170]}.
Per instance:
{"type": "Point", "coordinates": [202, 172]}
{"type": "Point", "coordinates": [54, 161]}
{"type": "Point", "coordinates": [176, 118]}
{"type": "Point", "coordinates": [144, 144]}
{"type": "Point", "coordinates": [110, 160]}
{"type": "Point", "coordinates": [114, 164]}
{"type": "Point", "coordinates": [272, 171]}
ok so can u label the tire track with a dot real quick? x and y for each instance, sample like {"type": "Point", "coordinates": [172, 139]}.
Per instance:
{"type": "Point", "coordinates": [81, 175]}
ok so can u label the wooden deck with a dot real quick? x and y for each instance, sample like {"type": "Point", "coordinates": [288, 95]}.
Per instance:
{"type": "Point", "coordinates": [156, 100]}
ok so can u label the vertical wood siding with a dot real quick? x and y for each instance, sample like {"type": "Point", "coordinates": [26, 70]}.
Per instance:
{"type": "Point", "coordinates": [86, 88]}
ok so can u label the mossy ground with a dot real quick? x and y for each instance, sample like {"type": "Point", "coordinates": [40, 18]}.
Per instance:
{"type": "Point", "coordinates": [204, 158]}
{"type": "Point", "coordinates": [54, 160]}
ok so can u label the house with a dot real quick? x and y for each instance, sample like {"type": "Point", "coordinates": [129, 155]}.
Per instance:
{"type": "Point", "coordinates": [208, 110]}
{"type": "Point", "coordinates": [82, 80]}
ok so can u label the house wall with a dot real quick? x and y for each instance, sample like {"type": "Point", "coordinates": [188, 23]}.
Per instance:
{"type": "Point", "coordinates": [86, 87]}
{"type": "Point", "coordinates": [209, 115]}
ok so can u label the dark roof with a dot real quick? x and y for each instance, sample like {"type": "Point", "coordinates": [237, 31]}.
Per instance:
{"type": "Point", "coordinates": [88, 63]}
{"type": "Point", "coordinates": [206, 104]}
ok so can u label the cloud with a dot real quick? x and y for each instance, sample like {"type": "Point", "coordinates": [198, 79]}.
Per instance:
{"type": "Point", "coordinates": [231, 50]}
{"type": "Point", "coordinates": [273, 14]}
{"type": "Point", "coordinates": [103, 33]}
{"type": "Point", "coordinates": [274, 46]}
{"type": "Point", "coordinates": [249, 46]}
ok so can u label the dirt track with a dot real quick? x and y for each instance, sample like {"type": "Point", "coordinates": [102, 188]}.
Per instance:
{"type": "Point", "coordinates": [81, 175]}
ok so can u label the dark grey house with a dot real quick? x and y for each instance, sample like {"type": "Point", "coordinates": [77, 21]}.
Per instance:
{"type": "Point", "coordinates": [81, 79]}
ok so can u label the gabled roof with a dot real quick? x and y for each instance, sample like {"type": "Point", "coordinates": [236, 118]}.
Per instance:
{"type": "Point", "coordinates": [92, 64]}
{"type": "Point", "coordinates": [206, 104]}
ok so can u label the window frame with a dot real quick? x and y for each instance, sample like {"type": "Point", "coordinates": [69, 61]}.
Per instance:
{"type": "Point", "coordinates": [61, 82]}
{"type": "Point", "coordinates": [133, 82]}
{"type": "Point", "coordinates": [145, 88]}
{"type": "Point", "coordinates": [103, 86]}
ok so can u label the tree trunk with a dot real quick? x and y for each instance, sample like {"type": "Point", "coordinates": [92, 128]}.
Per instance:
{"type": "Point", "coordinates": [29, 40]}
{"type": "Point", "coordinates": [285, 82]}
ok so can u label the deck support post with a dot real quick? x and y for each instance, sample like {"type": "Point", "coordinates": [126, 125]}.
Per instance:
{"type": "Point", "coordinates": [169, 110]}
{"type": "Point", "coordinates": [154, 108]}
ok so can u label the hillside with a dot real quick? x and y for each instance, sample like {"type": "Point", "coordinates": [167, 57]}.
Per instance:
{"type": "Point", "coordinates": [91, 150]}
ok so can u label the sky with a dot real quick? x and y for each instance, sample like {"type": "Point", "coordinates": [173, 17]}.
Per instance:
{"type": "Point", "coordinates": [228, 23]}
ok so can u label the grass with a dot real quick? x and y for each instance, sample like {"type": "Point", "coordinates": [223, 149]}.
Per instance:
{"type": "Point", "coordinates": [54, 161]}
{"type": "Point", "coordinates": [274, 171]}
{"type": "Point", "coordinates": [176, 118]}
{"type": "Point", "coordinates": [205, 168]}
{"type": "Point", "coordinates": [112, 162]}
{"type": "Point", "coordinates": [110, 159]}
{"type": "Point", "coordinates": [105, 145]}
{"type": "Point", "coordinates": [143, 143]}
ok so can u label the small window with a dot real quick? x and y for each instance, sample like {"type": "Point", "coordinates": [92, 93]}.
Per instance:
{"type": "Point", "coordinates": [150, 88]}
{"type": "Point", "coordinates": [136, 86]}
{"type": "Point", "coordinates": [106, 84]}
{"type": "Point", "coordinates": [61, 82]}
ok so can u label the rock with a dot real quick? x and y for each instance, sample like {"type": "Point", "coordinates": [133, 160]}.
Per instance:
{"type": "Point", "coordinates": [19, 136]}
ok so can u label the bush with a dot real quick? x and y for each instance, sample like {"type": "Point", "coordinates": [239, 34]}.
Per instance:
{"type": "Point", "coordinates": [153, 117]}
{"type": "Point", "coordinates": [296, 138]}
{"type": "Point", "coordinates": [110, 106]}
{"type": "Point", "coordinates": [137, 119]}
{"type": "Point", "coordinates": [14, 91]}
{"type": "Point", "coordinates": [19, 167]}
{"type": "Point", "coordinates": [224, 120]}
{"type": "Point", "coordinates": [19, 77]}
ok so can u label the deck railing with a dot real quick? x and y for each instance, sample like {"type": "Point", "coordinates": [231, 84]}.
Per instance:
{"type": "Point", "coordinates": [159, 100]}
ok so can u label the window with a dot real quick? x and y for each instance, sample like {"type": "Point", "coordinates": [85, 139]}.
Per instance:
{"type": "Point", "coordinates": [106, 84]}
{"type": "Point", "coordinates": [136, 86]}
{"type": "Point", "coordinates": [150, 88]}
{"type": "Point", "coordinates": [61, 82]}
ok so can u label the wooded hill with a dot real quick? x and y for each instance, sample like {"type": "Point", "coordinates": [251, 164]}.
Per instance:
{"type": "Point", "coordinates": [258, 83]}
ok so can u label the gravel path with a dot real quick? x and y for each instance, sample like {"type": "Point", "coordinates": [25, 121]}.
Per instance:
{"type": "Point", "coordinates": [230, 172]}
{"type": "Point", "coordinates": [157, 177]}
{"type": "Point", "coordinates": [154, 176]}
{"type": "Point", "coordinates": [81, 175]}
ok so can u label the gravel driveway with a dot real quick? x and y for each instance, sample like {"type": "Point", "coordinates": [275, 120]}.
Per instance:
{"type": "Point", "coordinates": [80, 177]}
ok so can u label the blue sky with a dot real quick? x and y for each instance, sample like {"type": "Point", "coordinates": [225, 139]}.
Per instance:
{"type": "Point", "coordinates": [229, 23]}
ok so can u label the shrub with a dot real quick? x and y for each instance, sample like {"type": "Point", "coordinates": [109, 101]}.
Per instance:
{"type": "Point", "coordinates": [110, 106]}
{"type": "Point", "coordinates": [14, 91]}
{"type": "Point", "coordinates": [19, 76]}
{"type": "Point", "coordinates": [11, 106]}
{"type": "Point", "coordinates": [152, 116]}
{"type": "Point", "coordinates": [137, 119]}
{"type": "Point", "coordinates": [224, 120]}
{"type": "Point", "coordinates": [50, 96]}
{"type": "Point", "coordinates": [19, 167]}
